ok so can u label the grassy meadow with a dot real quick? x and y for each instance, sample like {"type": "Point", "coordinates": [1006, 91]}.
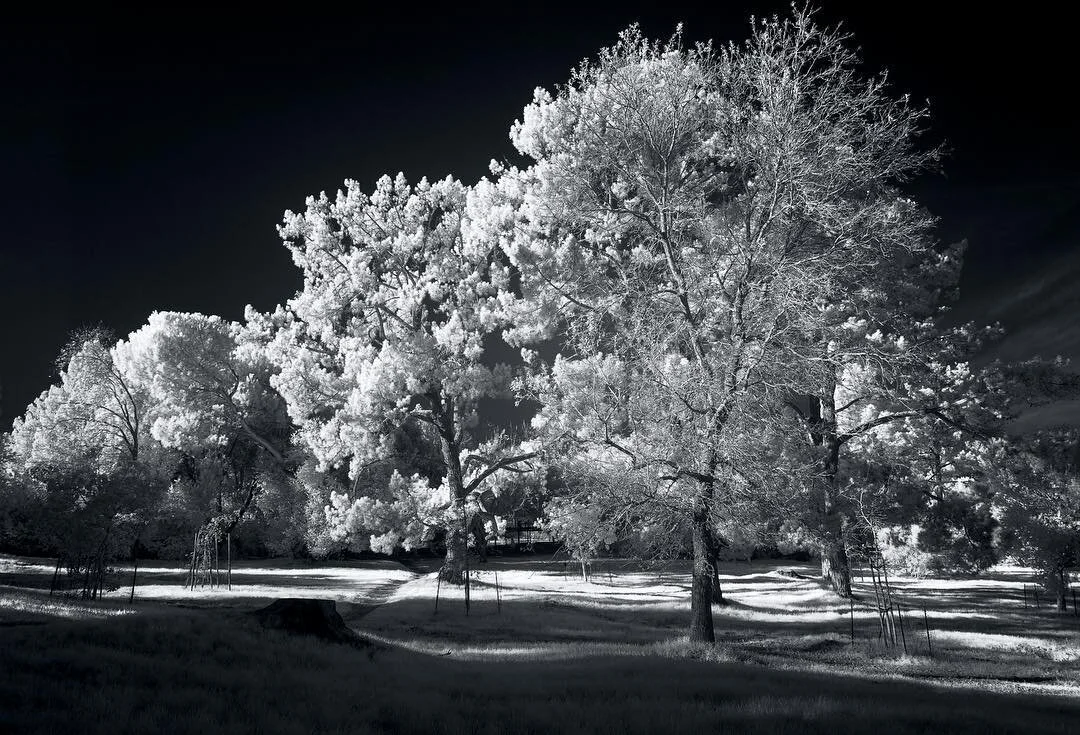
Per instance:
{"type": "Point", "coordinates": [541, 652]}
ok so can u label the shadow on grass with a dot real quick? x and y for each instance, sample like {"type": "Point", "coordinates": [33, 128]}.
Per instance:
{"type": "Point", "coordinates": [198, 673]}
{"type": "Point", "coordinates": [748, 631]}
{"type": "Point", "coordinates": [992, 645]}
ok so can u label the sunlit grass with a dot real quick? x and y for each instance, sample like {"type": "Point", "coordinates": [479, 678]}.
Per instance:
{"type": "Point", "coordinates": [18, 605]}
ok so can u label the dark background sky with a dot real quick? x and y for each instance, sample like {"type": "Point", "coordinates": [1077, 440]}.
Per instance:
{"type": "Point", "coordinates": [147, 159]}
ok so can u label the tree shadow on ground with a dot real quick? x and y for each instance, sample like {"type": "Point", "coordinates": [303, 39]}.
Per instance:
{"type": "Point", "coordinates": [271, 682]}
{"type": "Point", "coordinates": [771, 619]}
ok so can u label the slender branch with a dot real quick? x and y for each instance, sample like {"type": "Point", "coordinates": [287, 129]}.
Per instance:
{"type": "Point", "coordinates": [504, 463]}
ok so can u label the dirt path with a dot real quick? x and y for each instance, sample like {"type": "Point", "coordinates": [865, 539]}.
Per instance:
{"type": "Point", "coordinates": [375, 597]}
{"type": "Point", "coordinates": [422, 565]}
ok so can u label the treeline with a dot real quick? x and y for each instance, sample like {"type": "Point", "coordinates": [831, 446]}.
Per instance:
{"type": "Point", "coordinates": [730, 321]}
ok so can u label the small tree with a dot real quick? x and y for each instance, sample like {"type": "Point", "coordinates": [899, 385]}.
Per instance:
{"type": "Point", "coordinates": [927, 481]}
{"type": "Point", "coordinates": [84, 448]}
{"type": "Point", "coordinates": [213, 403]}
{"type": "Point", "coordinates": [1039, 479]}
{"type": "Point", "coordinates": [939, 454]}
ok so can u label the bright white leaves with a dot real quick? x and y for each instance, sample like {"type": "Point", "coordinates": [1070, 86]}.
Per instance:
{"type": "Point", "coordinates": [392, 319]}
{"type": "Point", "coordinates": [43, 434]}
{"type": "Point", "coordinates": [716, 232]}
{"type": "Point", "coordinates": [628, 235]}
{"type": "Point", "coordinates": [205, 388]}
{"type": "Point", "coordinates": [507, 216]}
{"type": "Point", "coordinates": [93, 416]}
{"type": "Point", "coordinates": [402, 515]}
{"type": "Point", "coordinates": [582, 398]}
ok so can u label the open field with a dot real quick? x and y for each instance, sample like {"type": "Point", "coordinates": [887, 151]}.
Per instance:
{"type": "Point", "coordinates": [544, 652]}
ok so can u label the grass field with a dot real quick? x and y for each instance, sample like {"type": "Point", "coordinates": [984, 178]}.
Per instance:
{"type": "Point", "coordinates": [543, 652]}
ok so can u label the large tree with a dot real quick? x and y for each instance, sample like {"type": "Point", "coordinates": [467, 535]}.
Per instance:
{"type": "Point", "coordinates": [933, 451]}
{"type": "Point", "coordinates": [840, 146]}
{"type": "Point", "coordinates": [392, 327]}
{"type": "Point", "coordinates": [690, 215]}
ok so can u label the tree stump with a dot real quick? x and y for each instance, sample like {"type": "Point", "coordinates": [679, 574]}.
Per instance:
{"type": "Point", "coordinates": [303, 616]}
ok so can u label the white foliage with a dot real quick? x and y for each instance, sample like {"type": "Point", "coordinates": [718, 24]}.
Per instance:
{"type": "Point", "coordinates": [392, 317]}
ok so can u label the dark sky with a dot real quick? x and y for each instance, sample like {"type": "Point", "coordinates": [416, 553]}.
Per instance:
{"type": "Point", "coordinates": [147, 160]}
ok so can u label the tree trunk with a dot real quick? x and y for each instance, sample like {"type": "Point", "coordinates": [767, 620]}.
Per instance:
{"type": "Point", "coordinates": [479, 536]}
{"type": "Point", "coordinates": [453, 570]}
{"type": "Point", "coordinates": [194, 553]}
{"type": "Point", "coordinates": [1062, 585]}
{"type": "Point", "coordinates": [134, 570]}
{"type": "Point", "coordinates": [835, 568]}
{"type": "Point", "coordinates": [56, 577]}
{"type": "Point", "coordinates": [701, 592]}
{"type": "Point", "coordinates": [457, 544]}
{"type": "Point", "coordinates": [715, 545]}
{"type": "Point", "coordinates": [717, 592]}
